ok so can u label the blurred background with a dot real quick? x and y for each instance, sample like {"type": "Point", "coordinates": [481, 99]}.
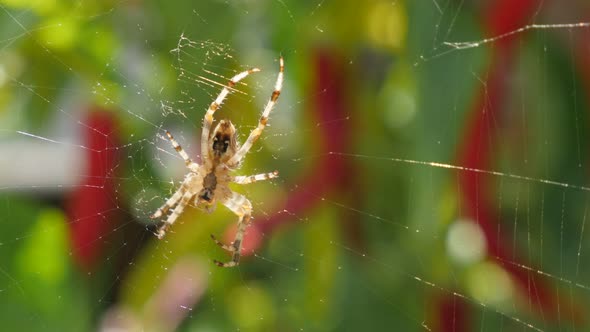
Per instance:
{"type": "Point", "coordinates": [433, 160]}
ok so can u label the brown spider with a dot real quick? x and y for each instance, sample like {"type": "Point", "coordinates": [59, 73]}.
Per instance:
{"type": "Point", "coordinates": [208, 182]}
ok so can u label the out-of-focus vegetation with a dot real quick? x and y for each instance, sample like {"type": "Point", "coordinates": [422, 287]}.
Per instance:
{"type": "Point", "coordinates": [387, 215]}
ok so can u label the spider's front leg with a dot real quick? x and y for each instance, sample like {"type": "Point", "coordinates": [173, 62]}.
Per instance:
{"type": "Point", "coordinates": [242, 207]}
{"type": "Point", "coordinates": [215, 105]}
{"type": "Point", "coordinates": [255, 134]}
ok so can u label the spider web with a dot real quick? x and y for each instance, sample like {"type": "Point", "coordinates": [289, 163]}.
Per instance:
{"type": "Point", "coordinates": [432, 170]}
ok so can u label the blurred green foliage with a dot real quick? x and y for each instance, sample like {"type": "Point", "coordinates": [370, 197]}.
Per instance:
{"type": "Point", "coordinates": [409, 100]}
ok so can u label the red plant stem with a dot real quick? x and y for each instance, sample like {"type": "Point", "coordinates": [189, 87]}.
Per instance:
{"type": "Point", "coordinates": [328, 172]}
{"type": "Point", "coordinates": [452, 315]}
{"type": "Point", "coordinates": [92, 207]}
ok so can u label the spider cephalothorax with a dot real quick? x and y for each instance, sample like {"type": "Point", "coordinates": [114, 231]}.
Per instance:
{"type": "Point", "coordinates": [223, 143]}
{"type": "Point", "coordinates": [208, 182]}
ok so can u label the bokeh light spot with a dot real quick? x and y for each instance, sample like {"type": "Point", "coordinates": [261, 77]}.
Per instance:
{"type": "Point", "coordinates": [490, 284]}
{"type": "Point", "coordinates": [466, 243]}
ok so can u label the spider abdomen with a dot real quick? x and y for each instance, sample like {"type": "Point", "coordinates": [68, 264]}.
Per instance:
{"type": "Point", "coordinates": [209, 185]}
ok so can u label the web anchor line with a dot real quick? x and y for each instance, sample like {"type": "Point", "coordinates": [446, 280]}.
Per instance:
{"type": "Point", "coordinates": [467, 169]}
{"type": "Point", "coordinates": [473, 44]}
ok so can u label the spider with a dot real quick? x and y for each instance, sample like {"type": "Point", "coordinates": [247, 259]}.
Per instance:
{"type": "Point", "coordinates": [208, 182]}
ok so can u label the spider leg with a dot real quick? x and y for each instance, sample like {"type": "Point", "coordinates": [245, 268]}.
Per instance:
{"type": "Point", "coordinates": [222, 245]}
{"type": "Point", "coordinates": [242, 207]}
{"type": "Point", "coordinates": [208, 120]}
{"type": "Point", "coordinates": [186, 197]}
{"type": "Point", "coordinates": [255, 134]}
{"type": "Point", "coordinates": [170, 202]}
{"type": "Point", "coordinates": [181, 152]}
{"type": "Point", "coordinates": [254, 178]}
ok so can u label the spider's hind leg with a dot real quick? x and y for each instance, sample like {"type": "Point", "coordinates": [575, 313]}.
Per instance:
{"type": "Point", "coordinates": [170, 203]}
{"type": "Point", "coordinates": [242, 207]}
{"type": "Point", "coordinates": [184, 201]}
{"type": "Point", "coordinates": [224, 246]}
